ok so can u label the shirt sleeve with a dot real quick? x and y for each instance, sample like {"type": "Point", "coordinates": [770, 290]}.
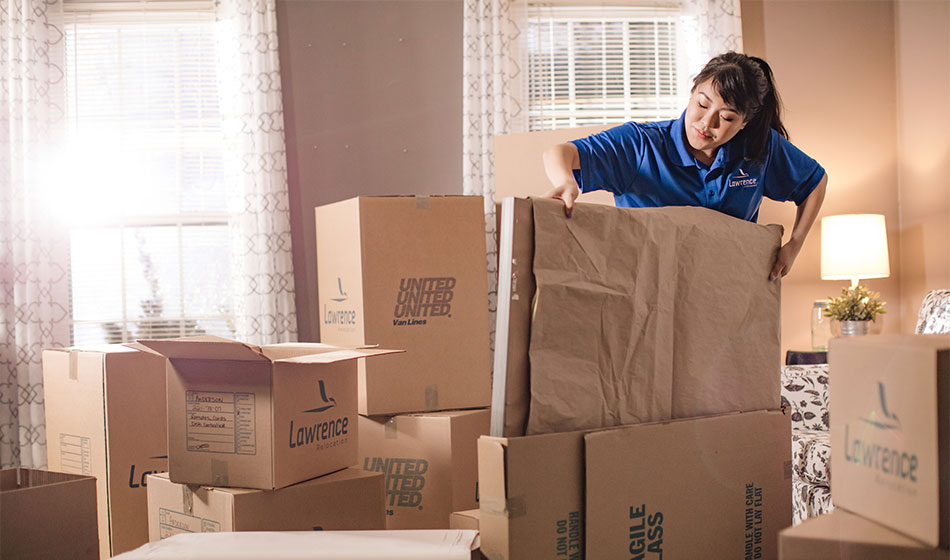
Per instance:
{"type": "Point", "coordinates": [609, 159]}
{"type": "Point", "coordinates": [790, 174]}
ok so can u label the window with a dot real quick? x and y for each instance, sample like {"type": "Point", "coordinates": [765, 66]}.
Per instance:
{"type": "Point", "coordinates": [143, 183]}
{"type": "Point", "coordinates": [592, 65]}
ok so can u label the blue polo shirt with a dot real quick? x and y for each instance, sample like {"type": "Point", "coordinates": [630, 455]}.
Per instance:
{"type": "Point", "coordinates": [648, 165]}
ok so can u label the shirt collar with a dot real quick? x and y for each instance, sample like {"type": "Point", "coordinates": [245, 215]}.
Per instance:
{"type": "Point", "coordinates": [676, 148]}
{"type": "Point", "coordinates": [679, 153]}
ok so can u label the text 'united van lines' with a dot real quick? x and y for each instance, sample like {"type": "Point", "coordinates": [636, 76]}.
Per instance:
{"type": "Point", "coordinates": [422, 298]}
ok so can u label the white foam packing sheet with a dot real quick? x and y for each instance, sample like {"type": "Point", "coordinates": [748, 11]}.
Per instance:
{"type": "Point", "coordinates": [312, 545]}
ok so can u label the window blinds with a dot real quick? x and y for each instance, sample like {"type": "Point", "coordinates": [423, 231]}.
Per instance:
{"type": "Point", "coordinates": [149, 237]}
{"type": "Point", "coordinates": [597, 65]}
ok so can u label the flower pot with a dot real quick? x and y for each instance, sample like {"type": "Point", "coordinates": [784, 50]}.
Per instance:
{"type": "Point", "coordinates": [850, 328]}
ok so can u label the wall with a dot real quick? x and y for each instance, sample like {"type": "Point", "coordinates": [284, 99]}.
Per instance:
{"type": "Point", "coordinates": [834, 63]}
{"type": "Point", "coordinates": [923, 78]}
{"type": "Point", "coordinates": [372, 96]}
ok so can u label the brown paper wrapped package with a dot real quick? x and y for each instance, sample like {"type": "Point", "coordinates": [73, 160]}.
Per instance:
{"type": "Point", "coordinates": [650, 314]}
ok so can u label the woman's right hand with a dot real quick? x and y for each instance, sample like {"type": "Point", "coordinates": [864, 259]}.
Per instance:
{"type": "Point", "coordinates": [559, 162]}
{"type": "Point", "coordinates": [567, 193]}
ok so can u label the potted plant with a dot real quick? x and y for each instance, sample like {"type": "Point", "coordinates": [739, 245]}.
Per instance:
{"type": "Point", "coordinates": [853, 312]}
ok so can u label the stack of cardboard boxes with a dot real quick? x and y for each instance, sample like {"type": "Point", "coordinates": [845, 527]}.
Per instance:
{"type": "Point", "coordinates": [701, 476]}
{"type": "Point", "coordinates": [890, 453]}
{"type": "Point", "coordinates": [253, 438]}
{"type": "Point", "coordinates": [409, 272]}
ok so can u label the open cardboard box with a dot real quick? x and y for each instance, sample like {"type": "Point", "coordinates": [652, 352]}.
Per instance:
{"type": "Point", "coordinates": [260, 417]}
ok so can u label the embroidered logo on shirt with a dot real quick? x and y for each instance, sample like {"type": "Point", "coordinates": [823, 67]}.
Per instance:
{"type": "Point", "coordinates": [742, 179]}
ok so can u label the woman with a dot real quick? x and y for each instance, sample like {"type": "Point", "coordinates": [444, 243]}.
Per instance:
{"type": "Point", "coordinates": [726, 151]}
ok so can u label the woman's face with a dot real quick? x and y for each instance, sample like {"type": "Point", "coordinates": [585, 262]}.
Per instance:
{"type": "Point", "coordinates": [710, 121]}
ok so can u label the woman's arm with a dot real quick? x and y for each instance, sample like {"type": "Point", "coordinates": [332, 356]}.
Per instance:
{"type": "Point", "coordinates": [804, 219]}
{"type": "Point", "coordinates": [559, 163]}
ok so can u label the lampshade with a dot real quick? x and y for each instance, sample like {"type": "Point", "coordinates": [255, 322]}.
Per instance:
{"type": "Point", "coordinates": [854, 246]}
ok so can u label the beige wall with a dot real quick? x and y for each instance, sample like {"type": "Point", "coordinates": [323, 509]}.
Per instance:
{"type": "Point", "coordinates": [923, 79]}
{"type": "Point", "coordinates": [834, 64]}
{"type": "Point", "coordinates": [372, 106]}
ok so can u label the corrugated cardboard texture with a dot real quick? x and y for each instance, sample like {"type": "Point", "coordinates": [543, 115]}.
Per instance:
{"type": "Point", "coordinates": [649, 314]}
{"type": "Point", "coordinates": [890, 431]}
{"type": "Point", "coordinates": [718, 486]}
{"type": "Point", "coordinates": [105, 417]}
{"type": "Point", "coordinates": [430, 464]}
{"type": "Point", "coordinates": [531, 496]}
{"type": "Point", "coordinates": [422, 288]}
{"type": "Point", "coordinates": [350, 499]}
{"type": "Point", "coordinates": [841, 535]}
{"type": "Point", "coordinates": [47, 515]}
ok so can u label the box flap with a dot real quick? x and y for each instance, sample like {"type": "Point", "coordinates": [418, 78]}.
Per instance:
{"type": "Point", "coordinates": [340, 355]}
{"type": "Point", "coordinates": [287, 350]}
{"type": "Point", "coordinates": [205, 348]}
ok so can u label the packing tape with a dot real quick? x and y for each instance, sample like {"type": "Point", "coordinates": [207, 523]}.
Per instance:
{"type": "Point", "coordinates": [422, 202]}
{"type": "Point", "coordinates": [74, 365]}
{"type": "Point", "coordinates": [511, 508]}
{"type": "Point", "coordinates": [187, 499]}
{"type": "Point", "coordinates": [432, 397]}
{"type": "Point", "coordinates": [219, 473]}
{"type": "Point", "coordinates": [389, 429]}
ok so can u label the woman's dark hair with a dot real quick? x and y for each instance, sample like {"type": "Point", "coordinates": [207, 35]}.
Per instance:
{"type": "Point", "coordinates": [746, 83]}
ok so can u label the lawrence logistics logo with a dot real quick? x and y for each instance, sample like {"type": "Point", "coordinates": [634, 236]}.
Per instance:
{"type": "Point", "coordinates": [890, 463]}
{"type": "Point", "coordinates": [742, 179]}
{"type": "Point", "coordinates": [322, 434]}
{"type": "Point", "coordinates": [328, 402]}
{"type": "Point", "coordinates": [337, 314]}
{"type": "Point", "coordinates": [886, 420]}
{"type": "Point", "coordinates": [421, 298]}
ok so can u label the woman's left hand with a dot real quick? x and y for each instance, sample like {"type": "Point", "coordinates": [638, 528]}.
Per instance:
{"type": "Point", "coordinates": [784, 259]}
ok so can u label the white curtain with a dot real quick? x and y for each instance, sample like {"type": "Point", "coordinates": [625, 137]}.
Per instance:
{"type": "Point", "coordinates": [34, 273]}
{"type": "Point", "coordinates": [254, 125]}
{"type": "Point", "coordinates": [490, 106]}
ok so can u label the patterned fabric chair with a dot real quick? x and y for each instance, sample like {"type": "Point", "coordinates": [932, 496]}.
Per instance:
{"type": "Point", "coordinates": [805, 393]}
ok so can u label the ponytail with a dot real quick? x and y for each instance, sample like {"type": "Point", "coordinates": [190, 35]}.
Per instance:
{"type": "Point", "coordinates": [768, 118]}
{"type": "Point", "coordinates": [747, 83]}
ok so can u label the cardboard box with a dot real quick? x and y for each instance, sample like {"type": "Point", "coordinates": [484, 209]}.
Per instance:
{"type": "Point", "coordinates": [841, 535]}
{"type": "Point", "coordinates": [531, 492]}
{"type": "Point", "coordinates": [890, 431]}
{"type": "Point", "coordinates": [688, 487]}
{"type": "Point", "coordinates": [519, 168]}
{"type": "Point", "coordinates": [351, 499]}
{"type": "Point", "coordinates": [314, 545]}
{"type": "Point", "coordinates": [430, 461]}
{"type": "Point", "coordinates": [48, 515]}
{"type": "Point", "coordinates": [467, 519]}
{"type": "Point", "coordinates": [259, 417]}
{"type": "Point", "coordinates": [408, 272]}
{"type": "Point", "coordinates": [105, 417]}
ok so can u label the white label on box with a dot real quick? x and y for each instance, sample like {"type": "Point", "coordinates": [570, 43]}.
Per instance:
{"type": "Point", "coordinates": [220, 422]}
{"type": "Point", "coordinates": [172, 523]}
{"type": "Point", "coordinates": [75, 454]}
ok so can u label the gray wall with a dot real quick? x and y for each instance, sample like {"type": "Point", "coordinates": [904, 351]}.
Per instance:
{"type": "Point", "coordinates": [372, 94]}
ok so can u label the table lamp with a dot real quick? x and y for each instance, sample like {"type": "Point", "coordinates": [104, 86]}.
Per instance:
{"type": "Point", "coordinates": [854, 247]}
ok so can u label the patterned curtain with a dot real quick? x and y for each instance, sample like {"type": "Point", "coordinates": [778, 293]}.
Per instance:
{"type": "Point", "coordinates": [34, 275]}
{"type": "Point", "coordinates": [715, 26]}
{"type": "Point", "coordinates": [490, 106]}
{"type": "Point", "coordinates": [254, 124]}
